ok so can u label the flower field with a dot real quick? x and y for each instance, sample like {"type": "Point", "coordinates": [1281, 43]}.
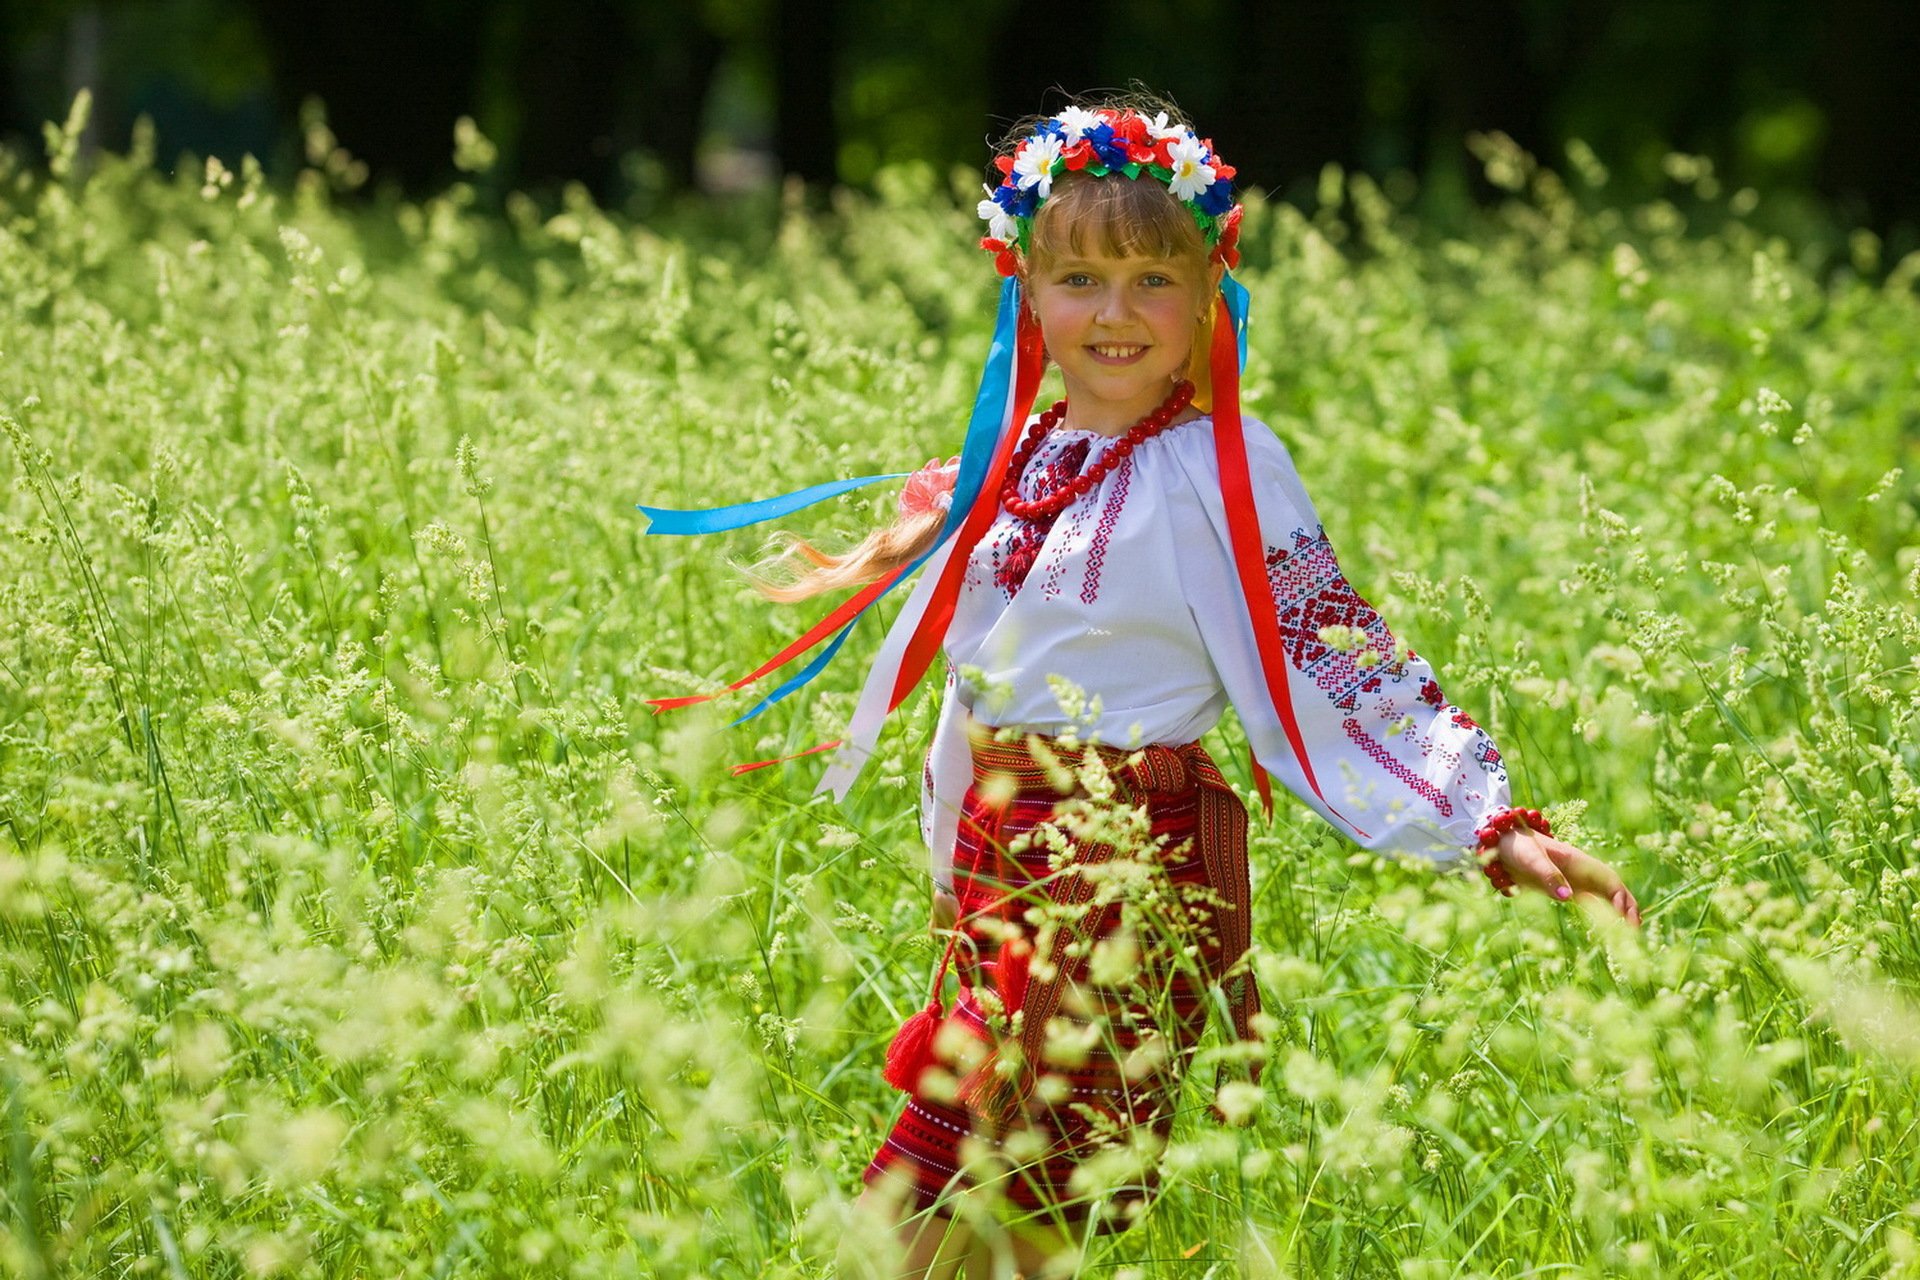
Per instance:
{"type": "Point", "coordinates": [357, 919]}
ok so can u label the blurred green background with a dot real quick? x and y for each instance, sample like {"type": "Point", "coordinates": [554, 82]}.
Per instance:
{"type": "Point", "coordinates": [642, 101]}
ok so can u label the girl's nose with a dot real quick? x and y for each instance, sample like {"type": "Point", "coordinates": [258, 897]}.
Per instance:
{"type": "Point", "coordinates": [1114, 305]}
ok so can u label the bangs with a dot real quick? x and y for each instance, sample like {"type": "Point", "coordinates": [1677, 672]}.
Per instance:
{"type": "Point", "coordinates": [1118, 217]}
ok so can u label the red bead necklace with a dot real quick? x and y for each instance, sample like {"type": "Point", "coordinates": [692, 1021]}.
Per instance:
{"type": "Point", "coordinates": [1058, 500]}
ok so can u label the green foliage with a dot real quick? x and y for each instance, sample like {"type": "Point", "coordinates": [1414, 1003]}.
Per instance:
{"type": "Point", "coordinates": [357, 919]}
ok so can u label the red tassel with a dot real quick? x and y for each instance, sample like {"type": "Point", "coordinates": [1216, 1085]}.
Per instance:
{"type": "Point", "coordinates": [911, 1052]}
{"type": "Point", "coordinates": [1010, 973]}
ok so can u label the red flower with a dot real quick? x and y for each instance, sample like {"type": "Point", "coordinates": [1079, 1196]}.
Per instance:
{"type": "Point", "coordinates": [1004, 164]}
{"type": "Point", "coordinates": [1004, 260]}
{"type": "Point", "coordinates": [1222, 171]}
{"type": "Point", "coordinates": [1225, 249]}
{"type": "Point", "coordinates": [1078, 154]}
{"type": "Point", "coordinates": [1130, 128]}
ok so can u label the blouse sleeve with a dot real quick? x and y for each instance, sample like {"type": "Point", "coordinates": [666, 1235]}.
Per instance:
{"type": "Point", "coordinates": [943, 784]}
{"type": "Point", "coordinates": [1394, 764]}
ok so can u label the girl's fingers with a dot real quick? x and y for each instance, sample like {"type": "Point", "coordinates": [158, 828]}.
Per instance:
{"type": "Point", "coordinates": [1534, 861]}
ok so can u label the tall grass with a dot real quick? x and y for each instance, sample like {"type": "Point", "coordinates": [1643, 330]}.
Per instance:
{"type": "Point", "coordinates": [356, 918]}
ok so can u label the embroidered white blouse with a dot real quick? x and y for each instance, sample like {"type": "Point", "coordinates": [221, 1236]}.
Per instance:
{"type": "Point", "coordinates": [1130, 593]}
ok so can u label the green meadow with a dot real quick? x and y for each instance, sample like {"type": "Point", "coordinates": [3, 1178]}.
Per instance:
{"type": "Point", "coordinates": [358, 919]}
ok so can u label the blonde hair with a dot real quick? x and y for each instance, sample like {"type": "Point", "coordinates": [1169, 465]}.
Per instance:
{"type": "Point", "coordinates": [1124, 219]}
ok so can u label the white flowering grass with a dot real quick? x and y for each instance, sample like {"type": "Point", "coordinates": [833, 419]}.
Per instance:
{"type": "Point", "coordinates": [356, 918]}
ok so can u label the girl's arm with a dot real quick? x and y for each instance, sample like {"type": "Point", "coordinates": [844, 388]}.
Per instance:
{"type": "Point", "coordinates": [1388, 758]}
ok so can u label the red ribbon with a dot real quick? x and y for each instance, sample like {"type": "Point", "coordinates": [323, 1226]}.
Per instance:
{"type": "Point", "coordinates": [737, 769]}
{"type": "Point", "coordinates": [1243, 532]}
{"type": "Point", "coordinates": [814, 635]}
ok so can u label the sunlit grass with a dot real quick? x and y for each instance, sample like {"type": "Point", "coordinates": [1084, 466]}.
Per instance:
{"type": "Point", "coordinates": [357, 919]}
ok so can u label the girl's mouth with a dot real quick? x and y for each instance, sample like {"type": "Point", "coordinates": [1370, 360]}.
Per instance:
{"type": "Point", "coordinates": [1117, 352]}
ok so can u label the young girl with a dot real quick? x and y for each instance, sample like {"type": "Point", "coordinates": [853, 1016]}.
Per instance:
{"type": "Point", "coordinates": [1142, 542]}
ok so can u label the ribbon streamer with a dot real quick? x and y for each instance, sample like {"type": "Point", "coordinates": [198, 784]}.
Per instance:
{"type": "Point", "coordinates": [981, 449]}
{"type": "Point", "coordinates": [714, 519]}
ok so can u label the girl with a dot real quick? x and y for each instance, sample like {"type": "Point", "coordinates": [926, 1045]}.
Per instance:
{"type": "Point", "coordinates": [1142, 542]}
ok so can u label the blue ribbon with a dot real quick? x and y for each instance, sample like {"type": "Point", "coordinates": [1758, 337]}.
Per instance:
{"type": "Point", "coordinates": [714, 519]}
{"type": "Point", "coordinates": [976, 455]}
{"type": "Point", "coordinates": [1237, 302]}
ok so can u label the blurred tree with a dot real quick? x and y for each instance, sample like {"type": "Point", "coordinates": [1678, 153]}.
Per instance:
{"type": "Point", "coordinates": [680, 50]}
{"type": "Point", "coordinates": [1301, 88]}
{"type": "Point", "coordinates": [394, 77]}
{"type": "Point", "coordinates": [806, 64]}
{"type": "Point", "coordinates": [1784, 95]}
{"type": "Point", "coordinates": [1868, 52]}
{"type": "Point", "coordinates": [571, 83]}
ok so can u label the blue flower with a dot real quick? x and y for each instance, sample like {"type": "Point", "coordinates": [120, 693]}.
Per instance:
{"type": "Point", "coordinates": [1017, 203]}
{"type": "Point", "coordinates": [1112, 151]}
{"type": "Point", "coordinates": [1216, 199]}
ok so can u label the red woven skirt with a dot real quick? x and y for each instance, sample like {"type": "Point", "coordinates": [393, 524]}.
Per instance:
{"type": "Point", "coordinates": [1128, 1006]}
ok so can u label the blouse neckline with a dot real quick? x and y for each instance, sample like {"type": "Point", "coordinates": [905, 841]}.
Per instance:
{"type": "Point", "coordinates": [1096, 435]}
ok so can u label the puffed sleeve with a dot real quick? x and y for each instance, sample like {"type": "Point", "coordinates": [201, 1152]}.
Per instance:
{"type": "Point", "coordinates": [943, 784]}
{"type": "Point", "coordinates": [1394, 764]}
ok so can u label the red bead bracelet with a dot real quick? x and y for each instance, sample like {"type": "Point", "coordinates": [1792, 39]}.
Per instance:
{"type": "Point", "coordinates": [1498, 825]}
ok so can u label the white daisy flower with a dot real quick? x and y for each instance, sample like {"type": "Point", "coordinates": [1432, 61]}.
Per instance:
{"type": "Point", "coordinates": [999, 225]}
{"type": "Point", "coordinates": [1191, 173]}
{"type": "Point", "coordinates": [1033, 167]}
{"type": "Point", "coordinates": [1158, 128]}
{"type": "Point", "coordinates": [1076, 121]}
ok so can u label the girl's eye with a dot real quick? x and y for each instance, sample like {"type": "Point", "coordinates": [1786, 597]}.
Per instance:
{"type": "Point", "coordinates": [1078, 276]}
{"type": "Point", "coordinates": [1162, 279]}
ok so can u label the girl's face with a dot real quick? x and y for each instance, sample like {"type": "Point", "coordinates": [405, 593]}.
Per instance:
{"type": "Point", "coordinates": [1121, 330]}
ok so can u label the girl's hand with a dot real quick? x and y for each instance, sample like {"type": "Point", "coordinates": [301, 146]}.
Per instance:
{"type": "Point", "coordinates": [946, 910]}
{"type": "Point", "coordinates": [1549, 865]}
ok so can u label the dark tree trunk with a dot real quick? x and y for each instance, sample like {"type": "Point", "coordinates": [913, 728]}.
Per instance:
{"type": "Point", "coordinates": [394, 77]}
{"type": "Point", "coordinates": [674, 103]}
{"type": "Point", "coordinates": [573, 62]}
{"type": "Point", "coordinates": [806, 133]}
{"type": "Point", "coordinates": [1482, 76]}
{"type": "Point", "coordinates": [1297, 103]}
{"type": "Point", "coordinates": [1864, 83]}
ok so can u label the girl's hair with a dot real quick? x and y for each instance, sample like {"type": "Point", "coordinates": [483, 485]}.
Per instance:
{"type": "Point", "coordinates": [1139, 217]}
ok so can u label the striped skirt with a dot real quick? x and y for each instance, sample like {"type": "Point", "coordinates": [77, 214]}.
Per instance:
{"type": "Point", "coordinates": [1124, 932]}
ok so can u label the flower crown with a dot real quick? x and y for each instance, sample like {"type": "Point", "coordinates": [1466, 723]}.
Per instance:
{"type": "Point", "coordinates": [1103, 142]}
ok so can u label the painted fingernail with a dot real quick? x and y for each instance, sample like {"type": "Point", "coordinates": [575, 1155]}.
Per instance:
{"type": "Point", "coordinates": [1563, 893]}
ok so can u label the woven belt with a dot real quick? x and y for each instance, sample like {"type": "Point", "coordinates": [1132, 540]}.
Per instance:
{"type": "Point", "coordinates": [1222, 842]}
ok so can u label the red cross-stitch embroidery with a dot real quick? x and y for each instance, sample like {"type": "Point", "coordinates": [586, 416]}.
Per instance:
{"type": "Point", "coordinates": [1097, 553]}
{"type": "Point", "coordinates": [1076, 517]}
{"type": "Point", "coordinates": [1386, 760]}
{"type": "Point", "coordinates": [1014, 551]}
{"type": "Point", "coordinates": [1312, 593]}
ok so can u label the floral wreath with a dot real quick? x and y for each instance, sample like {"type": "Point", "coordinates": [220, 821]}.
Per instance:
{"type": "Point", "coordinates": [1099, 143]}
